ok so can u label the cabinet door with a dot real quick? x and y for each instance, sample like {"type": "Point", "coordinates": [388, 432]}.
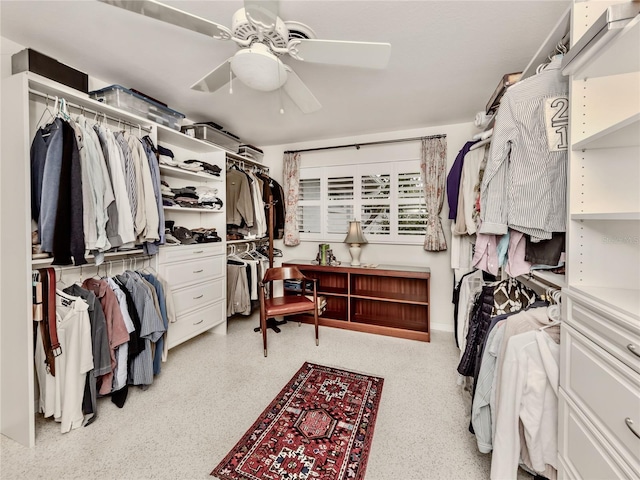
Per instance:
{"type": "Point", "coordinates": [194, 271]}
{"type": "Point", "coordinates": [191, 324]}
{"type": "Point", "coordinates": [606, 390]}
{"type": "Point", "coordinates": [584, 453]}
{"type": "Point", "coordinates": [196, 296]}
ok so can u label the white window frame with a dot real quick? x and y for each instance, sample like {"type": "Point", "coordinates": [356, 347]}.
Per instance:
{"type": "Point", "coordinates": [389, 167]}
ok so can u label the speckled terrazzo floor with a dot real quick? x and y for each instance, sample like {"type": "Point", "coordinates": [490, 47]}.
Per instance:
{"type": "Point", "coordinates": [213, 388]}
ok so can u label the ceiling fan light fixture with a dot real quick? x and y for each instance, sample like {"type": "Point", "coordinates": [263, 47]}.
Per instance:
{"type": "Point", "coordinates": [258, 68]}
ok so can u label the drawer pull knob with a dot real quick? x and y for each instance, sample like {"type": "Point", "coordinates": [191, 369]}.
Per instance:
{"type": "Point", "coordinates": [199, 251]}
{"type": "Point", "coordinates": [633, 349]}
{"type": "Point", "coordinates": [199, 296]}
{"type": "Point", "coordinates": [629, 423]}
{"type": "Point", "coordinates": [198, 323]}
{"type": "Point", "coordinates": [198, 271]}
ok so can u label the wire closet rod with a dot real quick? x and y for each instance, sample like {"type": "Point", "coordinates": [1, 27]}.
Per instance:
{"type": "Point", "coordinates": [364, 144]}
{"type": "Point", "coordinates": [85, 109]}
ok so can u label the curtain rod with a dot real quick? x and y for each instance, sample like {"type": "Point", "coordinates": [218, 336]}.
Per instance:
{"type": "Point", "coordinates": [364, 144]}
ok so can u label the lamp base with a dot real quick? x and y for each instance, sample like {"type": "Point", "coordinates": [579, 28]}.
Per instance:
{"type": "Point", "coordinates": [355, 251]}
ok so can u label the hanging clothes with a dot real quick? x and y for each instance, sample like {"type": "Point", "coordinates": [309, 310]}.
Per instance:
{"type": "Point", "coordinates": [238, 293]}
{"type": "Point", "coordinates": [116, 328]}
{"type": "Point", "coordinates": [100, 350]}
{"type": "Point", "coordinates": [525, 182]}
{"type": "Point", "coordinates": [152, 326]}
{"type": "Point", "coordinates": [122, 351]}
{"type": "Point", "coordinates": [93, 190]}
{"type": "Point", "coordinates": [62, 396]}
{"type": "Point", "coordinates": [239, 199]}
{"type": "Point", "coordinates": [113, 156]}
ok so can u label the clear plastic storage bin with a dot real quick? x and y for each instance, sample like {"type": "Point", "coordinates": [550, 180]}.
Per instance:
{"type": "Point", "coordinates": [125, 99]}
{"type": "Point", "coordinates": [212, 135]}
{"type": "Point", "coordinates": [251, 152]}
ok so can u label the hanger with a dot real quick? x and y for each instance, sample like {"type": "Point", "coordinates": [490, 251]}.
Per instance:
{"type": "Point", "coordinates": [148, 267]}
{"type": "Point", "coordinates": [246, 254]}
{"type": "Point", "coordinates": [59, 277]}
{"type": "Point", "coordinates": [258, 254]}
{"type": "Point", "coordinates": [554, 311]}
{"type": "Point", "coordinates": [480, 143]}
{"type": "Point", "coordinates": [233, 256]}
{"type": "Point", "coordinates": [63, 110]}
{"type": "Point", "coordinates": [45, 111]}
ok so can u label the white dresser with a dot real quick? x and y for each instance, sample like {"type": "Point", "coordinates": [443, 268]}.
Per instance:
{"type": "Point", "coordinates": [197, 276]}
{"type": "Point", "coordinates": [599, 409]}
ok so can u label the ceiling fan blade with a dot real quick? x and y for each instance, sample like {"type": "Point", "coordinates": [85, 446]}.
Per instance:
{"type": "Point", "coordinates": [215, 79]}
{"type": "Point", "coordinates": [174, 16]}
{"type": "Point", "coordinates": [263, 14]}
{"type": "Point", "coordinates": [299, 93]}
{"type": "Point", "coordinates": [337, 52]}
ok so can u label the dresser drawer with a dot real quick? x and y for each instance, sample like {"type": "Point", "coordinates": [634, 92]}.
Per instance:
{"type": "Point", "coordinates": [606, 390]}
{"type": "Point", "coordinates": [190, 252]}
{"type": "Point", "coordinates": [191, 324]}
{"type": "Point", "coordinates": [614, 332]}
{"type": "Point", "coordinates": [584, 453]}
{"type": "Point", "coordinates": [196, 296]}
{"type": "Point", "coordinates": [193, 271]}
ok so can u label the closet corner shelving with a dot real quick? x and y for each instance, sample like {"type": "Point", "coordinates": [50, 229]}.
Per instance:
{"type": "Point", "coordinates": [599, 411]}
{"type": "Point", "coordinates": [604, 168]}
{"type": "Point", "coordinates": [23, 101]}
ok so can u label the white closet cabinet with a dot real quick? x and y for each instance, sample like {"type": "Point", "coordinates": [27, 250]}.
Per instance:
{"type": "Point", "coordinates": [599, 411]}
{"type": "Point", "coordinates": [21, 110]}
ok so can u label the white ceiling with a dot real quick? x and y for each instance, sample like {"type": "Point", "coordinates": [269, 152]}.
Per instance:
{"type": "Point", "coordinates": [446, 59]}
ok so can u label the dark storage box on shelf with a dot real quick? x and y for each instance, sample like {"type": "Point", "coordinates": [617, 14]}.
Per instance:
{"type": "Point", "coordinates": [123, 98]}
{"type": "Point", "coordinates": [29, 60]}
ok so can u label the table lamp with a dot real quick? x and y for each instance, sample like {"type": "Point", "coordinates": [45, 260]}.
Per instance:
{"type": "Point", "coordinates": [355, 238]}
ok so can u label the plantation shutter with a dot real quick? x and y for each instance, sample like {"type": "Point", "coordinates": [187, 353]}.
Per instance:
{"type": "Point", "coordinates": [340, 203]}
{"type": "Point", "coordinates": [375, 210]}
{"type": "Point", "coordinates": [412, 212]}
{"type": "Point", "coordinates": [309, 203]}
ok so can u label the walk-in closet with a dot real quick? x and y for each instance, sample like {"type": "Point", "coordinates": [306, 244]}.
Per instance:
{"type": "Point", "coordinates": [429, 208]}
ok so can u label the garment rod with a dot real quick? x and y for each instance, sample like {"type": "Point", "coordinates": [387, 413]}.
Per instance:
{"type": "Point", "coordinates": [241, 163]}
{"type": "Point", "coordinates": [365, 144]}
{"type": "Point", "coordinates": [85, 109]}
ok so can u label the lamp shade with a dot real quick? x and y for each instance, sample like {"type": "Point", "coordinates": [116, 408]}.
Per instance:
{"type": "Point", "coordinates": [355, 235]}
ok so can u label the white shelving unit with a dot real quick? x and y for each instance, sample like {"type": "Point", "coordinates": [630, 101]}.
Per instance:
{"type": "Point", "coordinates": [599, 410]}
{"type": "Point", "coordinates": [23, 101]}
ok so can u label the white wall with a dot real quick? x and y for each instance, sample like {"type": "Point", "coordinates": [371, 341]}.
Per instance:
{"type": "Point", "coordinates": [438, 262]}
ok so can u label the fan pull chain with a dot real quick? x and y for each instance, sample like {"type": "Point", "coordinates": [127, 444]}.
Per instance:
{"type": "Point", "coordinates": [280, 94]}
{"type": "Point", "coordinates": [230, 82]}
{"type": "Point", "coordinates": [281, 105]}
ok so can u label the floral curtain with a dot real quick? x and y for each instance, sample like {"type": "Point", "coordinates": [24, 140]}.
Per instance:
{"type": "Point", "coordinates": [291, 188]}
{"type": "Point", "coordinates": [433, 168]}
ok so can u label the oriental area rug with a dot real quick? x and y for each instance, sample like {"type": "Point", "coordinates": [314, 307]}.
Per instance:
{"type": "Point", "coordinates": [319, 427]}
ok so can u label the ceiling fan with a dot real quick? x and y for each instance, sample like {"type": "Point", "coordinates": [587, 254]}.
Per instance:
{"type": "Point", "coordinates": [263, 38]}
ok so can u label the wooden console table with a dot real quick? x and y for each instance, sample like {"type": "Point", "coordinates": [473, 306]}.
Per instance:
{"type": "Point", "coordinates": [388, 300]}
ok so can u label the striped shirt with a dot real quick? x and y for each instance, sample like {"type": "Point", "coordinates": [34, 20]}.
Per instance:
{"type": "Point", "coordinates": [141, 370]}
{"type": "Point", "coordinates": [525, 182]}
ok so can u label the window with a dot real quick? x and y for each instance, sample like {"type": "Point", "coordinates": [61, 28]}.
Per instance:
{"type": "Point", "coordinates": [388, 198]}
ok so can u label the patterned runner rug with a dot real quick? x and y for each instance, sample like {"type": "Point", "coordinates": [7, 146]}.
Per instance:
{"type": "Point", "coordinates": [319, 427]}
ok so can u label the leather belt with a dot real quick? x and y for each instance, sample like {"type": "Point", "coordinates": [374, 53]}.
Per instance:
{"type": "Point", "coordinates": [48, 326]}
